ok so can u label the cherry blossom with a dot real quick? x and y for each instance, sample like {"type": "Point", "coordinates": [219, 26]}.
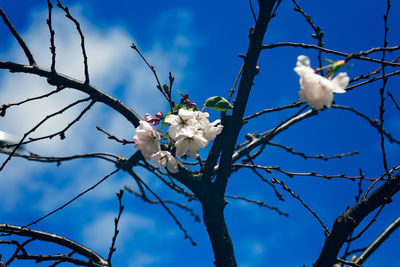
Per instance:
{"type": "Point", "coordinates": [190, 141]}
{"type": "Point", "coordinates": [164, 159]}
{"type": "Point", "coordinates": [317, 90]}
{"type": "Point", "coordinates": [178, 122]}
{"type": "Point", "coordinates": [211, 130]}
{"type": "Point", "coordinates": [189, 131]}
{"type": "Point", "coordinates": [147, 139]}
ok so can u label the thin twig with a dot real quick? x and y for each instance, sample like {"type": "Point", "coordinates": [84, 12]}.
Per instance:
{"type": "Point", "coordinates": [49, 159]}
{"type": "Point", "coordinates": [62, 132]}
{"type": "Point", "coordinates": [52, 46]}
{"type": "Point", "coordinates": [20, 41]}
{"type": "Point", "coordinates": [382, 92]}
{"type": "Point", "coordinates": [78, 27]}
{"type": "Point", "coordinates": [394, 101]}
{"type": "Point", "coordinates": [378, 241]}
{"type": "Point", "coordinates": [259, 203]}
{"type": "Point", "coordinates": [56, 79]}
{"type": "Point", "coordinates": [4, 107]}
{"type": "Point", "coordinates": [373, 123]}
{"type": "Point", "coordinates": [116, 221]}
{"type": "Point", "coordinates": [236, 80]}
{"type": "Point", "coordinates": [153, 70]}
{"type": "Point", "coordinates": [112, 137]}
{"type": "Point", "coordinates": [252, 11]}
{"type": "Point", "coordinates": [318, 33]}
{"type": "Point", "coordinates": [284, 187]}
{"type": "Point", "coordinates": [305, 156]}
{"type": "Point", "coordinates": [294, 105]}
{"type": "Point", "coordinates": [133, 174]}
{"type": "Point", "coordinates": [72, 200]}
{"type": "Point", "coordinates": [347, 55]}
{"type": "Point", "coordinates": [38, 125]}
{"type": "Point", "coordinates": [269, 169]}
{"type": "Point", "coordinates": [180, 205]}
{"type": "Point", "coordinates": [372, 80]}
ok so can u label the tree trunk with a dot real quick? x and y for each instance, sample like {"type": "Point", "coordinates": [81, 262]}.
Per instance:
{"type": "Point", "coordinates": [214, 220]}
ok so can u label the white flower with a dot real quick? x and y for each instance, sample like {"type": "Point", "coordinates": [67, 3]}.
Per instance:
{"type": "Point", "coordinates": [190, 141]}
{"type": "Point", "coordinates": [201, 116]}
{"type": "Point", "coordinates": [147, 139]}
{"type": "Point", "coordinates": [211, 130]}
{"type": "Point", "coordinates": [317, 90]}
{"type": "Point", "coordinates": [165, 159]}
{"type": "Point", "coordinates": [178, 122]}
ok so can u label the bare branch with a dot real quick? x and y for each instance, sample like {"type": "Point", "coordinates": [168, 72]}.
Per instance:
{"type": "Point", "coordinates": [62, 241]}
{"type": "Point", "coordinates": [180, 205]}
{"type": "Point", "coordinates": [378, 241]}
{"type": "Point", "coordinates": [318, 33]}
{"type": "Point", "coordinates": [153, 69]}
{"type": "Point", "coordinates": [351, 218]}
{"type": "Point", "coordinates": [374, 123]}
{"type": "Point", "coordinates": [112, 137]}
{"type": "Point", "coordinates": [372, 80]}
{"type": "Point", "coordinates": [57, 79]}
{"type": "Point", "coordinates": [394, 101]}
{"type": "Point", "coordinates": [48, 159]}
{"type": "Point", "coordinates": [305, 156]}
{"type": "Point", "coordinates": [294, 105]}
{"type": "Point", "coordinates": [116, 221]}
{"type": "Point", "coordinates": [136, 177]}
{"type": "Point", "coordinates": [347, 55]}
{"type": "Point", "coordinates": [52, 33]}
{"type": "Point", "coordinates": [21, 42]}
{"type": "Point", "coordinates": [284, 187]}
{"type": "Point", "coordinates": [72, 200]}
{"type": "Point", "coordinates": [78, 27]}
{"type": "Point", "coordinates": [259, 203]}
{"type": "Point", "coordinates": [382, 92]}
{"type": "Point", "coordinates": [37, 126]}
{"type": "Point", "coordinates": [4, 107]}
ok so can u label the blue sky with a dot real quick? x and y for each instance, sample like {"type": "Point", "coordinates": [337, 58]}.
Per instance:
{"type": "Point", "coordinates": [199, 44]}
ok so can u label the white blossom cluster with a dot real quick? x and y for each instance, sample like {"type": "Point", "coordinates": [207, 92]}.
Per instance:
{"type": "Point", "coordinates": [189, 131]}
{"type": "Point", "coordinates": [317, 90]}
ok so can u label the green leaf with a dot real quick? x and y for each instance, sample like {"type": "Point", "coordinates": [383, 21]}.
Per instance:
{"type": "Point", "coordinates": [218, 103]}
{"type": "Point", "coordinates": [329, 60]}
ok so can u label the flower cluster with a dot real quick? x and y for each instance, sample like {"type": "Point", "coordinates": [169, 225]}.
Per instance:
{"type": "Point", "coordinates": [189, 131]}
{"type": "Point", "coordinates": [317, 90]}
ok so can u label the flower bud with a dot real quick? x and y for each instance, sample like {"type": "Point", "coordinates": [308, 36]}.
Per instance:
{"type": "Point", "coordinates": [159, 115]}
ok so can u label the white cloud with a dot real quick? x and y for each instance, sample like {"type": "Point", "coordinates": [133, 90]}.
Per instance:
{"type": "Point", "coordinates": [141, 259]}
{"type": "Point", "coordinates": [130, 224]}
{"type": "Point", "coordinates": [114, 67]}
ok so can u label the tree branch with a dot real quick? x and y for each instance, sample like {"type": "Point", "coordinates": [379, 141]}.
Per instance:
{"type": "Point", "coordinates": [352, 217]}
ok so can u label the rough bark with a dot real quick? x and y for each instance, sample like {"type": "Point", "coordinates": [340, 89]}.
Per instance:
{"type": "Point", "coordinates": [213, 215]}
{"type": "Point", "coordinates": [352, 217]}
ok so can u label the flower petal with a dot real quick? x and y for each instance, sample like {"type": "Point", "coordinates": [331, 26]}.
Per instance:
{"type": "Point", "coordinates": [303, 60]}
{"type": "Point", "coordinates": [340, 82]}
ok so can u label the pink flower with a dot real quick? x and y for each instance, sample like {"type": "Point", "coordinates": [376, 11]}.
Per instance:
{"type": "Point", "coordinates": [317, 90]}
{"type": "Point", "coordinates": [147, 139]}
